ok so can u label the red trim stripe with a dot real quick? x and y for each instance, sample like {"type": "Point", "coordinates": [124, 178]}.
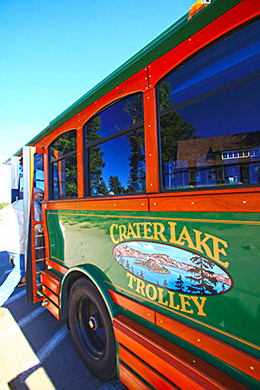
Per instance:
{"type": "Point", "coordinates": [228, 354]}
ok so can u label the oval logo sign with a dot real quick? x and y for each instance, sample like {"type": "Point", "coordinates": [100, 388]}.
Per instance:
{"type": "Point", "coordinates": [172, 268]}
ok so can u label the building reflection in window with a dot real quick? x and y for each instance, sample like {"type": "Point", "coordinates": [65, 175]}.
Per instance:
{"type": "Point", "coordinates": [209, 116]}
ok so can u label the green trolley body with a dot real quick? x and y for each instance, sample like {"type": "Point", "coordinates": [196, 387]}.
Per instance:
{"type": "Point", "coordinates": [151, 209]}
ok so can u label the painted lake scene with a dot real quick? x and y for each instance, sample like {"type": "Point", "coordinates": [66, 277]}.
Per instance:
{"type": "Point", "coordinates": [173, 268]}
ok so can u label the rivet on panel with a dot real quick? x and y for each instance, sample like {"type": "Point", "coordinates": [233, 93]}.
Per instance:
{"type": "Point", "coordinates": [151, 184]}
{"type": "Point", "coordinates": [155, 204]}
{"type": "Point", "coordinates": [252, 368]}
{"type": "Point", "coordinates": [192, 202]}
{"type": "Point", "coordinates": [149, 315]}
{"type": "Point", "coordinates": [150, 154]}
{"type": "Point", "coordinates": [142, 204]}
{"type": "Point", "coordinates": [148, 97]}
{"type": "Point", "coordinates": [114, 204]}
{"type": "Point", "coordinates": [149, 125]}
{"type": "Point", "coordinates": [193, 361]}
{"type": "Point", "coordinates": [244, 201]}
{"type": "Point", "coordinates": [198, 340]}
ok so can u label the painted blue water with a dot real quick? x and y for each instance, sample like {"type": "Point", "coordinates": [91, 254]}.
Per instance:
{"type": "Point", "coordinates": [166, 280]}
{"type": "Point", "coordinates": [169, 280]}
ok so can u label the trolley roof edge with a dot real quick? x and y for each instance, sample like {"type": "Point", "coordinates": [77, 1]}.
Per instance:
{"type": "Point", "coordinates": [178, 32]}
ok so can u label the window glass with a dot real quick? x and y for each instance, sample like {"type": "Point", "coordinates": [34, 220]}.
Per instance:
{"type": "Point", "coordinates": [21, 184]}
{"type": "Point", "coordinates": [63, 166]}
{"type": "Point", "coordinates": [38, 177]}
{"type": "Point", "coordinates": [64, 144]}
{"type": "Point", "coordinates": [209, 121]}
{"type": "Point", "coordinates": [115, 153]}
{"type": "Point", "coordinates": [116, 118]}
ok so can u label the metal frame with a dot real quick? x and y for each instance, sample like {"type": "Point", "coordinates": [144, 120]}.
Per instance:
{"type": "Point", "coordinates": [29, 225]}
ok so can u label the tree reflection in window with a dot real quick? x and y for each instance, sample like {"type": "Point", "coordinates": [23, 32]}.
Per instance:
{"type": "Point", "coordinates": [115, 152]}
{"type": "Point", "coordinates": [173, 129]}
{"type": "Point", "coordinates": [63, 166]}
{"type": "Point", "coordinates": [209, 121]}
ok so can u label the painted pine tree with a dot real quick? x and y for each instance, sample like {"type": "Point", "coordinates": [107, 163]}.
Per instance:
{"type": "Point", "coordinates": [179, 285]}
{"type": "Point", "coordinates": [165, 284]}
{"type": "Point", "coordinates": [203, 280]}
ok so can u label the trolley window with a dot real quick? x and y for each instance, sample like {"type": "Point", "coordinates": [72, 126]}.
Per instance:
{"type": "Point", "coordinates": [115, 151]}
{"type": "Point", "coordinates": [63, 166]}
{"type": "Point", "coordinates": [209, 116]}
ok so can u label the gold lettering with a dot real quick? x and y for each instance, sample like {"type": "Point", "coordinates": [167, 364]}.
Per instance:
{"type": "Point", "coordinates": [137, 224]}
{"type": "Point", "coordinates": [112, 233]}
{"type": "Point", "coordinates": [161, 301]}
{"type": "Point", "coordinates": [131, 279]}
{"type": "Point", "coordinates": [186, 237]}
{"type": "Point", "coordinates": [157, 233]}
{"type": "Point", "coordinates": [147, 290]}
{"type": "Point", "coordinates": [212, 246]}
{"type": "Point", "coordinates": [217, 250]}
{"type": "Point", "coordinates": [131, 231]}
{"type": "Point", "coordinates": [122, 233]}
{"type": "Point", "coordinates": [199, 305]}
{"type": "Point", "coordinates": [147, 229]}
{"type": "Point", "coordinates": [202, 243]}
{"type": "Point", "coordinates": [153, 293]}
{"type": "Point", "coordinates": [173, 232]}
{"type": "Point", "coordinates": [171, 304]}
{"type": "Point", "coordinates": [140, 287]}
{"type": "Point", "coordinates": [185, 303]}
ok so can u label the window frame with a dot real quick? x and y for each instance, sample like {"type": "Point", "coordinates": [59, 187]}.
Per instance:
{"type": "Point", "coordinates": [205, 95]}
{"type": "Point", "coordinates": [86, 147]}
{"type": "Point", "coordinates": [61, 158]}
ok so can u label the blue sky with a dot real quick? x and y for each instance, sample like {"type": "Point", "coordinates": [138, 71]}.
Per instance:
{"type": "Point", "coordinates": [54, 51]}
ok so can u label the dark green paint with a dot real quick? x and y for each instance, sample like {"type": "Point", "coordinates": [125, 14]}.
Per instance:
{"type": "Point", "coordinates": [96, 276]}
{"type": "Point", "coordinates": [237, 312]}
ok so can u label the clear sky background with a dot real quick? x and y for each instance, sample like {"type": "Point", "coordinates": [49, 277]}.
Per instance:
{"type": "Point", "coordinates": [53, 51]}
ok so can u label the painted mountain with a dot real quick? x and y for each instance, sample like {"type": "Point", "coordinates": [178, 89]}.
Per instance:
{"type": "Point", "coordinates": [171, 267]}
